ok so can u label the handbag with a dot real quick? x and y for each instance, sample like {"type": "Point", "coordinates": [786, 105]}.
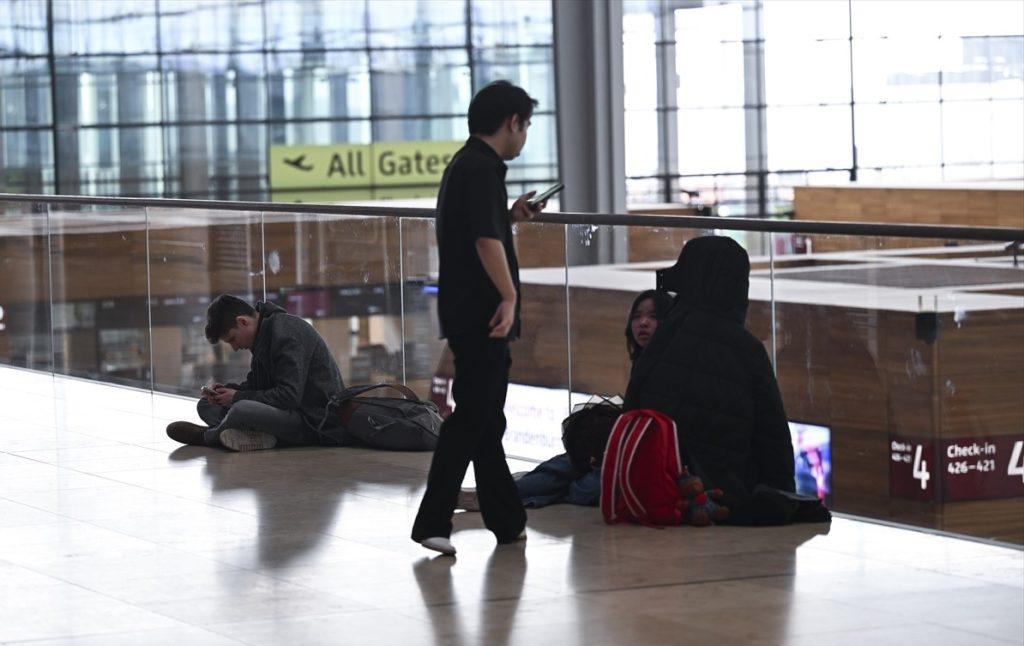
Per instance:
{"type": "Point", "coordinates": [403, 423]}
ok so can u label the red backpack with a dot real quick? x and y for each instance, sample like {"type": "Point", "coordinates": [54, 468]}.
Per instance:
{"type": "Point", "coordinates": [640, 471]}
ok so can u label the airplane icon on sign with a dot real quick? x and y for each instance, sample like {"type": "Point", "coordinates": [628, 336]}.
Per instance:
{"type": "Point", "coordinates": [298, 163]}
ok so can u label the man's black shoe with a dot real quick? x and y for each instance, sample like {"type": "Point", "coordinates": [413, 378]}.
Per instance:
{"type": "Point", "coordinates": [186, 433]}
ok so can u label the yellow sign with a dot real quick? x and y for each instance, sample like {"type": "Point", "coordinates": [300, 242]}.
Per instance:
{"type": "Point", "coordinates": [358, 171]}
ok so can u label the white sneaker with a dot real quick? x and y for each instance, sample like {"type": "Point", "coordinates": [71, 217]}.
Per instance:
{"type": "Point", "coordinates": [439, 544]}
{"type": "Point", "coordinates": [241, 440]}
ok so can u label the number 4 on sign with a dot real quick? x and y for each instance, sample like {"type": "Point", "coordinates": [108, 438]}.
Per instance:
{"type": "Point", "coordinates": [1016, 465]}
{"type": "Point", "coordinates": [921, 469]}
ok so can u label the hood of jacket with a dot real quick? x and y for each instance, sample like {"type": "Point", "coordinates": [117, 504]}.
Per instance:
{"type": "Point", "coordinates": [266, 311]}
{"type": "Point", "coordinates": [711, 275]}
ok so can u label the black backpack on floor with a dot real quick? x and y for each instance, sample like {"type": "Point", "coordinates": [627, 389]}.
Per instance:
{"type": "Point", "coordinates": [585, 432]}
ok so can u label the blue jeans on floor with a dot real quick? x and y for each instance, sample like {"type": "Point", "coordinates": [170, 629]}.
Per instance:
{"type": "Point", "coordinates": [556, 481]}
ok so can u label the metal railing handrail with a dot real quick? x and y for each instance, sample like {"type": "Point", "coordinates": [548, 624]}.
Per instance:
{"type": "Point", "coordinates": [941, 231]}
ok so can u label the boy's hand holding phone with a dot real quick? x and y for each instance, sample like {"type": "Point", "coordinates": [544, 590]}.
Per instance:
{"type": "Point", "coordinates": [209, 392]}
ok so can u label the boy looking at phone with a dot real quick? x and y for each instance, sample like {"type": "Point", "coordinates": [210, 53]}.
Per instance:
{"type": "Point", "coordinates": [283, 398]}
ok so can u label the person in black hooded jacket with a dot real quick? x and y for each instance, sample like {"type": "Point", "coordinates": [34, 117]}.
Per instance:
{"type": "Point", "coordinates": [704, 369]}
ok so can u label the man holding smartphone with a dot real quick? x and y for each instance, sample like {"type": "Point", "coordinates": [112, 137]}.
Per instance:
{"type": "Point", "coordinates": [478, 307]}
{"type": "Point", "coordinates": [284, 396]}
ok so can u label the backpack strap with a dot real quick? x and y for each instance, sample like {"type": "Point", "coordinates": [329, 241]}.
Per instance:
{"type": "Point", "coordinates": [609, 470]}
{"type": "Point", "coordinates": [636, 434]}
{"type": "Point", "coordinates": [356, 391]}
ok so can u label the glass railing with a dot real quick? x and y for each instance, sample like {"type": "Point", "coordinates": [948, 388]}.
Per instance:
{"type": "Point", "coordinates": [899, 350]}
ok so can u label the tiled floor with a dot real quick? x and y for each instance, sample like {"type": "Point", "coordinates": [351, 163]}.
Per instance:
{"type": "Point", "coordinates": [112, 534]}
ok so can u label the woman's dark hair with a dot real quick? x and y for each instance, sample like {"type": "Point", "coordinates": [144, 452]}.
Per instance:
{"type": "Point", "coordinates": [221, 315]}
{"type": "Point", "coordinates": [662, 304]}
{"type": "Point", "coordinates": [495, 103]}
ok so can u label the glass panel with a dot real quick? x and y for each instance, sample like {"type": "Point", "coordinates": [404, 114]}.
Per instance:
{"type": "Point", "coordinates": [23, 28]}
{"type": "Point", "coordinates": [823, 20]}
{"type": "Point", "coordinates": [537, 398]}
{"type": "Point", "coordinates": [195, 255]}
{"type": "Point", "coordinates": [315, 24]}
{"type": "Point", "coordinates": [212, 25]}
{"type": "Point", "coordinates": [425, 129]}
{"type": "Point", "coordinates": [214, 87]}
{"type": "Point", "coordinates": [827, 62]}
{"type": "Point", "coordinates": [307, 85]}
{"type": "Point", "coordinates": [412, 23]}
{"type": "Point", "coordinates": [428, 366]}
{"type": "Point", "coordinates": [127, 162]}
{"type": "Point", "coordinates": [26, 161]}
{"type": "Point", "coordinates": [342, 274]}
{"type": "Point", "coordinates": [216, 161]}
{"type": "Point", "coordinates": [896, 69]}
{"type": "Point", "coordinates": [809, 137]}
{"type": "Point", "coordinates": [712, 140]}
{"type": "Point", "coordinates": [646, 191]}
{"type": "Point", "coordinates": [112, 26]}
{"type": "Point", "coordinates": [908, 355]}
{"type": "Point", "coordinates": [354, 131]}
{"type": "Point", "coordinates": [109, 91]}
{"type": "Point", "coordinates": [898, 135]}
{"type": "Point", "coordinates": [419, 82]}
{"type": "Point", "coordinates": [531, 68]}
{"type": "Point", "coordinates": [25, 340]}
{"type": "Point", "coordinates": [967, 135]}
{"type": "Point", "coordinates": [24, 93]}
{"type": "Point", "coordinates": [1008, 134]}
{"type": "Point", "coordinates": [899, 17]}
{"type": "Point", "coordinates": [525, 22]}
{"type": "Point", "coordinates": [641, 130]}
{"type": "Point", "coordinates": [709, 56]}
{"type": "Point", "coordinates": [100, 311]}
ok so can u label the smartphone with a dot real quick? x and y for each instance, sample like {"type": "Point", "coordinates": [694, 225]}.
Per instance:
{"type": "Point", "coordinates": [546, 193]}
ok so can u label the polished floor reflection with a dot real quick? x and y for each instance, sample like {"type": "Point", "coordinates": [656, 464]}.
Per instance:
{"type": "Point", "coordinates": [112, 534]}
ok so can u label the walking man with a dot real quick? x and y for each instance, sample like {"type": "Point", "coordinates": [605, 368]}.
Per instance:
{"type": "Point", "coordinates": [478, 307]}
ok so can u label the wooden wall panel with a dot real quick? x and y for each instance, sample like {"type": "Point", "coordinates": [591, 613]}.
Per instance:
{"type": "Point", "coordinates": [1000, 207]}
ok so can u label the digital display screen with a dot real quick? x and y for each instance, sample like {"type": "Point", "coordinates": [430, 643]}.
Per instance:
{"type": "Point", "coordinates": [812, 455]}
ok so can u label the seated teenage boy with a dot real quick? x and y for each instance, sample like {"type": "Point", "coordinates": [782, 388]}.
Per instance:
{"type": "Point", "coordinates": [283, 398]}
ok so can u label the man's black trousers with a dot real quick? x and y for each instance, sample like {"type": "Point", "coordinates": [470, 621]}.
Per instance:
{"type": "Point", "coordinates": [473, 432]}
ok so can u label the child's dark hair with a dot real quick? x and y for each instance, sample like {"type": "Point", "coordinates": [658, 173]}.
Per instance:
{"type": "Point", "coordinates": [585, 434]}
{"type": "Point", "coordinates": [221, 315]}
{"type": "Point", "coordinates": [662, 304]}
{"type": "Point", "coordinates": [495, 103]}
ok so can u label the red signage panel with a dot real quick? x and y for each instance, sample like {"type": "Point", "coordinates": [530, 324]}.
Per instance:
{"type": "Point", "coordinates": [973, 468]}
{"type": "Point", "coordinates": [912, 469]}
{"type": "Point", "coordinates": [983, 468]}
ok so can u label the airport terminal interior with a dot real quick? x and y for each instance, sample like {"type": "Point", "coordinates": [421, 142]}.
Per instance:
{"type": "Point", "coordinates": [868, 155]}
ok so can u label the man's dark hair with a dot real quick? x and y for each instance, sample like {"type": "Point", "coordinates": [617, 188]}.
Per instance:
{"type": "Point", "coordinates": [495, 103]}
{"type": "Point", "coordinates": [221, 315]}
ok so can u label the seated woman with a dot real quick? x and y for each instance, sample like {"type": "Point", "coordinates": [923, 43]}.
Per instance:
{"type": "Point", "coordinates": [557, 479]}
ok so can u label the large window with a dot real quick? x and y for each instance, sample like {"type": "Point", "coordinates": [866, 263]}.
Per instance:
{"type": "Point", "coordinates": [747, 99]}
{"type": "Point", "coordinates": [183, 98]}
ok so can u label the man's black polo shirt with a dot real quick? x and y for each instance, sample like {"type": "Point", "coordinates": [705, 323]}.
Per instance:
{"type": "Point", "coordinates": [472, 203]}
